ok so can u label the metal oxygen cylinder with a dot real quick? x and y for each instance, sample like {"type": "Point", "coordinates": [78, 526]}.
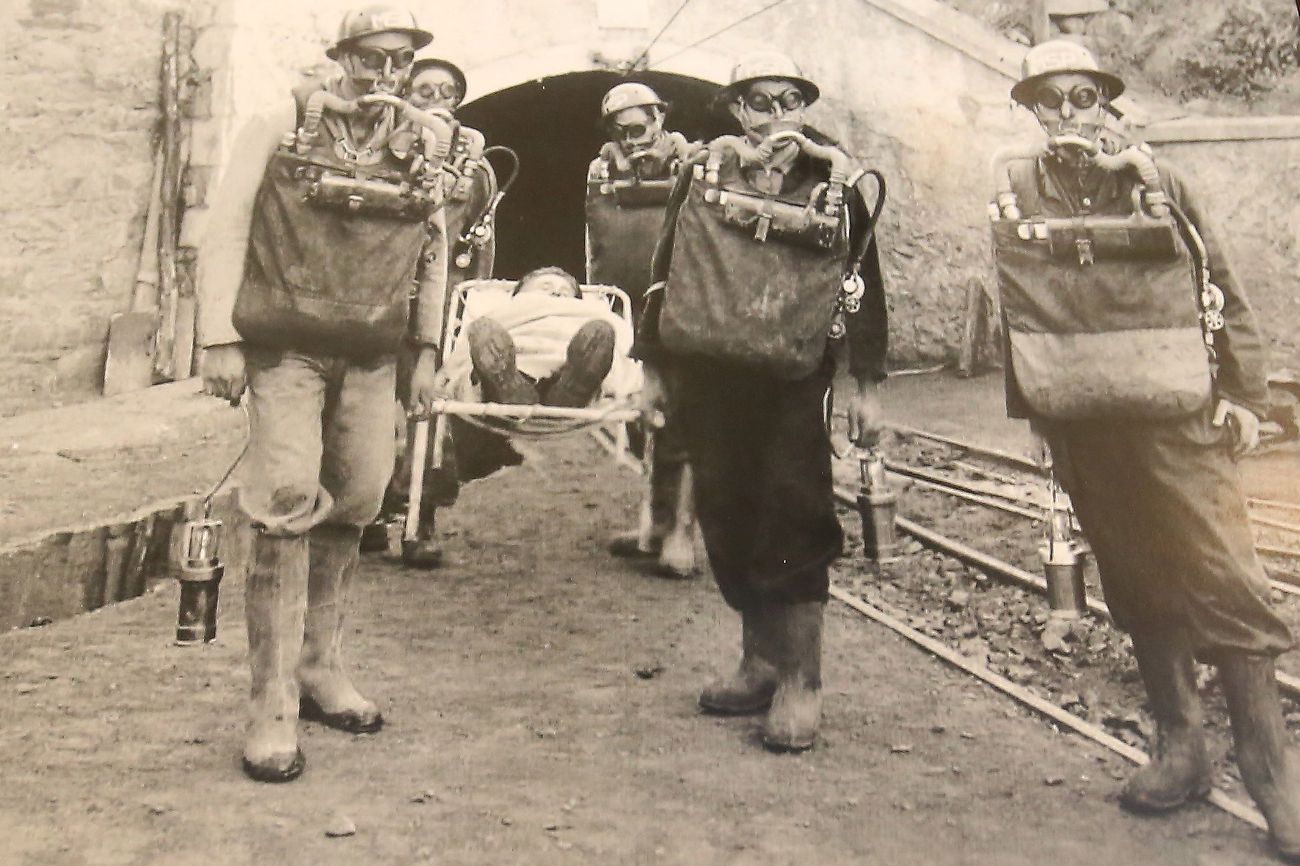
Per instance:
{"type": "Point", "coordinates": [200, 576]}
{"type": "Point", "coordinates": [1062, 562]}
{"type": "Point", "coordinates": [878, 506]}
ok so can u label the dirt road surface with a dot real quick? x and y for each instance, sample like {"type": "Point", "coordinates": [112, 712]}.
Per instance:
{"type": "Point", "coordinates": [540, 700]}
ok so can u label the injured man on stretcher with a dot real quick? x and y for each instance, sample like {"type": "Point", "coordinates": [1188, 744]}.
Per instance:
{"type": "Point", "coordinates": [544, 343]}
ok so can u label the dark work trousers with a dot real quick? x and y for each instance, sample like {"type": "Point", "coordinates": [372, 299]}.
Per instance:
{"type": "Point", "coordinates": [762, 462]}
{"type": "Point", "coordinates": [1162, 507]}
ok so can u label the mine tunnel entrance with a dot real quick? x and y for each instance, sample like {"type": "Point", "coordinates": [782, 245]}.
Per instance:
{"type": "Point", "coordinates": [552, 124]}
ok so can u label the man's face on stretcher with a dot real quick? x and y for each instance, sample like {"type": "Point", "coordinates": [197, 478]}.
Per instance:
{"type": "Point", "coordinates": [554, 285]}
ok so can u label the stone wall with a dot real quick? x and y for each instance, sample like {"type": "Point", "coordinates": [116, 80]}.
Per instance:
{"type": "Point", "coordinates": [80, 113]}
{"type": "Point", "coordinates": [1251, 189]}
{"type": "Point", "coordinates": [927, 104]}
{"type": "Point", "coordinates": [917, 89]}
{"type": "Point", "coordinates": [911, 105]}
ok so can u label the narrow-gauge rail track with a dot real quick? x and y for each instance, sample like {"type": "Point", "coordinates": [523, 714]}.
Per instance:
{"type": "Point", "coordinates": [993, 566]}
{"type": "Point", "coordinates": [996, 567]}
{"type": "Point", "coordinates": [1025, 696]}
{"type": "Point", "coordinates": [1029, 508]}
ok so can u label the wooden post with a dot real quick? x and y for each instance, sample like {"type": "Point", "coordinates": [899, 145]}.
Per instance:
{"type": "Point", "coordinates": [975, 327]}
{"type": "Point", "coordinates": [168, 218]}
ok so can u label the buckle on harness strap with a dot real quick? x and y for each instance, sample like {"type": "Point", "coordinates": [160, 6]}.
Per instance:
{"type": "Point", "coordinates": [1084, 246]}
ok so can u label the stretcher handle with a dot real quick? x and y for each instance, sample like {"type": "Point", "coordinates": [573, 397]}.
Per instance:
{"type": "Point", "coordinates": [415, 489]}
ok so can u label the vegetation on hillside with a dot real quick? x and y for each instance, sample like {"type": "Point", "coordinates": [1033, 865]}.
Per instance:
{"type": "Point", "coordinates": [1239, 56]}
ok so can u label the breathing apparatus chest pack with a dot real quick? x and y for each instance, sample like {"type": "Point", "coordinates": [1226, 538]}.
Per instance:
{"type": "Point", "coordinates": [625, 213]}
{"type": "Point", "coordinates": [333, 249]}
{"type": "Point", "coordinates": [1103, 314]}
{"type": "Point", "coordinates": [757, 279]}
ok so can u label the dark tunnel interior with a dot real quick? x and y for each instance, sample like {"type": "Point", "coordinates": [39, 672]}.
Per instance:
{"type": "Point", "coordinates": [553, 125]}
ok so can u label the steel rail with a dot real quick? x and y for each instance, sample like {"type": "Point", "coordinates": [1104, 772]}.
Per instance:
{"type": "Point", "coordinates": [1274, 503]}
{"type": "Point", "coordinates": [1287, 552]}
{"type": "Point", "coordinates": [1216, 796]}
{"type": "Point", "coordinates": [1275, 524]}
{"type": "Point", "coordinates": [1004, 456]}
{"type": "Point", "coordinates": [1000, 568]}
{"type": "Point", "coordinates": [978, 498]}
{"type": "Point", "coordinates": [971, 493]}
{"type": "Point", "coordinates": [1080, 726]}
{"type": "Point", "coordinates": [916, 472]}
{"type": "Point", "coordinates": [1034, 468]}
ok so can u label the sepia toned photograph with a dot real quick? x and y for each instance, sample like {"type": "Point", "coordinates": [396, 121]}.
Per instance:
{"type": "Point", "coordinates": [682, 432]}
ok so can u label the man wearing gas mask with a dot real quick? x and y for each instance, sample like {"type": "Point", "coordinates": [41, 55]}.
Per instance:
{"type": "Point", "coordinates": [438, 86]}
{"type": "Point", "coordinates": [1133, 352]}
{"type": "Point", "coordinates": [317, 229]}
{"type": "Point", "coordinates": [627, 190]}
{"type": "Point", "coordinates": [766, 261]}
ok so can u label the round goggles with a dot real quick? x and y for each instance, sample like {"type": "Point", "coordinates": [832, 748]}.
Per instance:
{"type": "Point", "coordinates": [375, 58]}
{"type": "Point", "coordinates": [1083, 97]}
{"type": "Point", "coordinates": [445, 89]}
{"type": "Point", "coordinates": [762, 102]}
{"type": "Point", "coordinates": [630, 132]}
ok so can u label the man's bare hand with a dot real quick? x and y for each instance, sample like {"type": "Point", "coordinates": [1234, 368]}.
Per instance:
{"type": "Point", "coordinates": [224, 372]}
{"type": "Point", "coordinates": [652, 400]}
{"type": "Point", "coordinates": [1041, 453]}
{"type": "Point", "coordinates": [866, 415]}
{"type": "Point", "coordinates": [427, 384]}
{"type": "Point", "coordinates": [1243, 423]}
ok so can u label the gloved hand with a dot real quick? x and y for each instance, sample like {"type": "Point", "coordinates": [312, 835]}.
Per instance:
{"type": "Point", "coordinates": [224, 372]}
{"type": "Point", "coordinates": [866, 415]}
{"type": "Point", "coordinates": [1243, 423]}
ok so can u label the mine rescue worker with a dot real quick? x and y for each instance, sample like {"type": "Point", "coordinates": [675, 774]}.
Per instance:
{"type": "Point", "coordinates": [438, 85]}
{"type": "Point", "coordinates": [304, 299]}
{"type": "Point", "coordinates": [1146, 381]}
{"type": "Point", "coordinates": [765, 253]}
{"type": "Point", "coordinates": [627, 190]}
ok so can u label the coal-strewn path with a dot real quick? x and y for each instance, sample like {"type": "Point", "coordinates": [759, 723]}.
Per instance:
{"type": "Point", "coordinates": [540, 699]}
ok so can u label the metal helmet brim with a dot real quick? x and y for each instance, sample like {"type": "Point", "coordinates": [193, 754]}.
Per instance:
{"type": "Point", "coordinates": [438, 63]}
{"type": "Point", "coordinates": [768, 66]}
{"type": "Point", "coordinates": [370, 20]}
{"type": "Point", "coordinates": [1060, 57]}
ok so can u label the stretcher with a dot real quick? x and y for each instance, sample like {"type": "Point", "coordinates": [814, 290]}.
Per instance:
{"type": "Point", "coordinates": [468, 301]}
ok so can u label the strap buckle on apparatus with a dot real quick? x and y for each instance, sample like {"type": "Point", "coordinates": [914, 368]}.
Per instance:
{"type": "Point", "coordinates": [764, 223]}
{"type": "Point", "coordinates": [1084, 246]}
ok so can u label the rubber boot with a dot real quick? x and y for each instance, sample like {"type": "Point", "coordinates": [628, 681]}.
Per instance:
{"type": "Point", "coordinates": [275, 599]}
{"type": "Point", "coordinates": [796, 650]}
{"type": "Point", "coordinates": [374, 538]}
{"type": "Point", "coordinates": [328, 695]}
{"type": "Point", "coordinates": [492, 353]}
{"type": "Point", "coordinates": [1268, 765]}
{"type": "Point", "coordinates": [425, 552]}
{"type": "Point", "coordinates": [749, 689]}
{"type": "Point", "coordinates": [672, 523]}
{"type": "Point", "coordinates": [587, 362]}
{"type": "Point", "coordinates": [663, 499]}
{"type": "Point", "coordinates": [1179, 770]}
{"type": "Point", "coordinates": [677, 552]}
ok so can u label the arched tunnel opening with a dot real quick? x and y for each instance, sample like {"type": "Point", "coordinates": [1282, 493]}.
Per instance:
{"type": "Point", "coordinates": [553, 124]}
